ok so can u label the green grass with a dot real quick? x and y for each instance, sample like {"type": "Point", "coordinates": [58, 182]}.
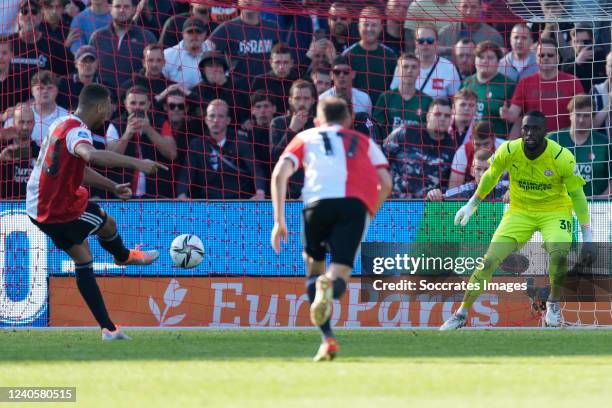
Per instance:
{"type": "Point", "coordinates": [273, 368]}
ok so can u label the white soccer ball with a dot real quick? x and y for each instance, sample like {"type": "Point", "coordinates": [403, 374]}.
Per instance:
{"type": "Point", "coordinates": [187, 251]}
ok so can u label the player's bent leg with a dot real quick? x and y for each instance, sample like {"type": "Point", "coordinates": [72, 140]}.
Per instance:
{"type": "Point", "coordinates": [499, 249]}
{"type": "Point", "coordinates": [110, 240]}
{"type": "Point", "coordinates": [88, 287]}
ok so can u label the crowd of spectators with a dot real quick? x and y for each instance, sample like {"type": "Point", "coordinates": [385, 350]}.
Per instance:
{"type": "Point", "coordinates": [216, 91]}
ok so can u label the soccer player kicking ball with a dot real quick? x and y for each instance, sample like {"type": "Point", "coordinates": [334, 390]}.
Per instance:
{"type": "Point", "coordinates": [346, 182]}
{"type": "Point", "coordinates": [57, 203]}
{"type": "Point", "coordinates": [543, 189]}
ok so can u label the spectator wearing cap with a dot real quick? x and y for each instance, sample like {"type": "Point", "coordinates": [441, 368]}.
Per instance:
{"type": "Point", "coordinates": [469, 26]}
{"type": "Point", "coordinates": [173, 27]}
{"type": "Point", "coordinates": [217, 84]}
{"type": "Point", "coordinates": [119, 45]}
{"type": "Point", "coordinates": [182, 60]}
{"type": "Point", "coordinates": [343, 76]}
{"type": "Point", "coordinates": [373, 62]}
{"type": "Point", "coordinates": [46, 110]}
{"type": "Point", "coordinates": [83, 25]}
{"type": "Point", "coordinates": [32, 49]}
{"type": "Point", "coordinates": [69, 87]}
{"type": "Point", "coordinates": [278, 81]}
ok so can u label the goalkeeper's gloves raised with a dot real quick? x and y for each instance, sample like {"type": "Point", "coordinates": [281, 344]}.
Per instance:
{"type": "Point", "coordinates": [588, 255]}
{"type": "Point", "coordinates": [463, 215]}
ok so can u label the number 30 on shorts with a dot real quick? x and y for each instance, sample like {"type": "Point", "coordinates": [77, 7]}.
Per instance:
{"type": "Point", "coordinates": [565, 225]}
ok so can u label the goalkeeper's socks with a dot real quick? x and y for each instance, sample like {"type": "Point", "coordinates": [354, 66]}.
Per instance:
{"type": "Point", "coordinates": [114, 245]}
{"type": "Point", "coordinates": [339, 287]}
{"type": "Point", "coordinates": [86, 282]}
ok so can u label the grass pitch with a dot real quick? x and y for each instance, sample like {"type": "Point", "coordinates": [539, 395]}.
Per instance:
{"type": "Point", "coordinates": [274, 368]}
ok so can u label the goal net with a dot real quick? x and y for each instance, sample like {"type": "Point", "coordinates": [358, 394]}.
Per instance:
{"type": "Point", "coordinates": [216, 90]}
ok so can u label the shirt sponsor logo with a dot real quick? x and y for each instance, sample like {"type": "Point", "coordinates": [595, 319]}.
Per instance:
{"type": "Point", "coordinates": [528, 185]}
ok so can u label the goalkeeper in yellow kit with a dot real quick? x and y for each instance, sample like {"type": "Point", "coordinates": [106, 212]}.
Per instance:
{"type": "Point", "coordinates": [544, 187]}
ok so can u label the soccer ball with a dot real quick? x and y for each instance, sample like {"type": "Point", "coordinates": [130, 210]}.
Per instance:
{"type": "Point", "coordinates": [187, 251]}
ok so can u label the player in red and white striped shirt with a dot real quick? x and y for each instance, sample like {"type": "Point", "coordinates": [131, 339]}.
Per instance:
{"type": "Point", "coordinates": [59, 205]}
{"type": "Point", "coordinates": [346, 181]}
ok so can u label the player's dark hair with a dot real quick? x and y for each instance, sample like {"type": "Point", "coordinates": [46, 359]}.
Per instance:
{"type": "Point", "coordinates": [333, 110]}
{"type": "Point", "coordinates": [536, 114]}
{"type": "Point", "coordinates": [92, 95]}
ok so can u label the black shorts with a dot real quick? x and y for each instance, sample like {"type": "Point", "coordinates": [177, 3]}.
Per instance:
{"type": "Point", "coordinates": [337, 226]}
{"type": "Point", "coordinates": [68, 234]}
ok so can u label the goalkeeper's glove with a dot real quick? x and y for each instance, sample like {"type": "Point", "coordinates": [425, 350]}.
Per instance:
{"type": "Point", "coordinates": [463, 215]}
{"type": "Point", "coordinates": [588, 255]}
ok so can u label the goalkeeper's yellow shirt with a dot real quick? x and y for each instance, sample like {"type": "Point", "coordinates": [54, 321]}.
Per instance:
{"type": "Point", "coordinates": [535, 185]}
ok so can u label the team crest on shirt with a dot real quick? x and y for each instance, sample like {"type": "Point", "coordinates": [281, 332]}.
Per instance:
{"type": "Point", "coordinates": [548, 173]}
{"type": "Point", "coordinates": [591, 156]}
{"type": "Point", "coordinates": [489, 95]}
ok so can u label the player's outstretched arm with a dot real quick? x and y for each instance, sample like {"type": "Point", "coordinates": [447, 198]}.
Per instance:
{"type": "Point", "coordinates": [94, 179]}
{"type": "Point", "coordinates": [280, 176]}
{"type": "Point", "coordinates": [487, 183]}
{"type": "Point", "coordinates": [385, 185]}
{"type": "Point", "coordinates": [111, 159]}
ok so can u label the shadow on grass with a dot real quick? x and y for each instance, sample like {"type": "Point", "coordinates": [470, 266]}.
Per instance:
{"type": "Point", "coordinates": [42, 346]}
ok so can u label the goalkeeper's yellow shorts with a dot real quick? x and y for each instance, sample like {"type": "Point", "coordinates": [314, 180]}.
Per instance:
{"type": "Point", "coordinates": [520, 225]}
